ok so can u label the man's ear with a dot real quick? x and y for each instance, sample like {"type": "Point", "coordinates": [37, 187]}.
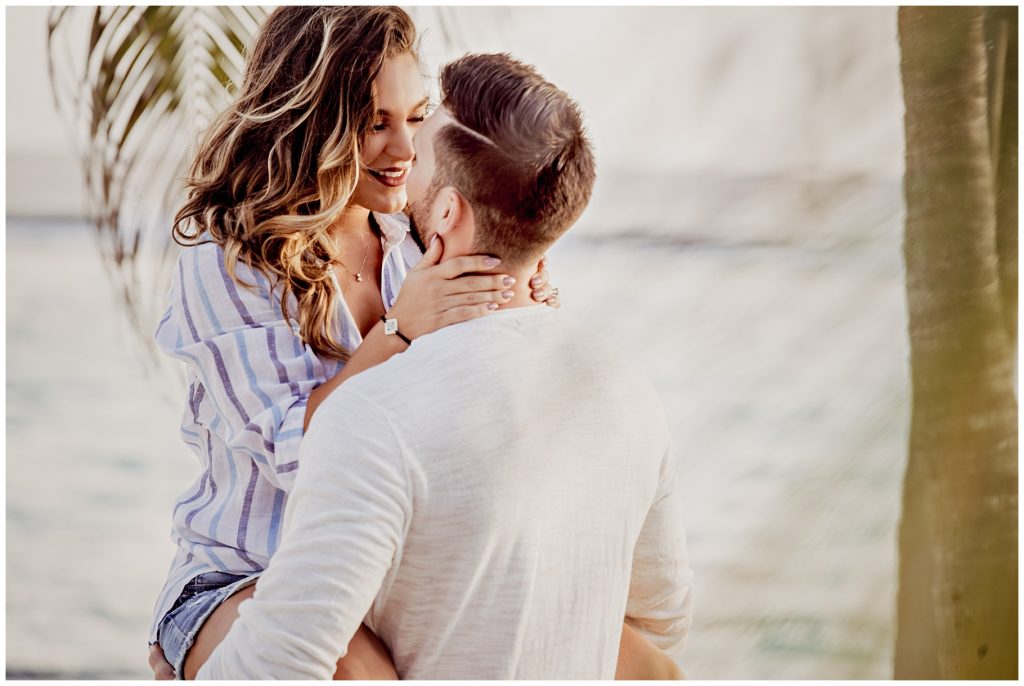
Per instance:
{"type": "Point", "coordinates": [456, 216]}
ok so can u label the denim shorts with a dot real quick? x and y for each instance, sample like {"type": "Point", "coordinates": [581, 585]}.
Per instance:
{"type": "Point", "coordinates": [198, 599]}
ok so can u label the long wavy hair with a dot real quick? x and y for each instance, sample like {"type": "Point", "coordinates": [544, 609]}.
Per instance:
{"type": "Point", "coordinates": [275, 169]}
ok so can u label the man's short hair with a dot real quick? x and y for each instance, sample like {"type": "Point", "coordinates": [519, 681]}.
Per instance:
{"type": "Point", "coordinates": [521, 156]}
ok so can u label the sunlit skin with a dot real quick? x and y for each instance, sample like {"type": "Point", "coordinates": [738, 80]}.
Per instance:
{"type": "Point", "coordinates": [401, 110]}
{"type": "Point", "coordinates": [401, 101]}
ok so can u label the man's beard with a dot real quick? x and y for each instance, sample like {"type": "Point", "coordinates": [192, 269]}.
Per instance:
{"type": "Point", "coordinates": [414, 227]}
{"type": "Point", "coordinates": [418, 213]}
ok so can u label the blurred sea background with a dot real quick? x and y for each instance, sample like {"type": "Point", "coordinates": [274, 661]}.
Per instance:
{"type": "Point", "coordinates": [743, 245]}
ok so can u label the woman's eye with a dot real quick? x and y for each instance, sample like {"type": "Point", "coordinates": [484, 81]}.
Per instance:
{"type": "Point", "coordinates": [379, 127]}
{"type": "Point", "coordinates": [419, 120]}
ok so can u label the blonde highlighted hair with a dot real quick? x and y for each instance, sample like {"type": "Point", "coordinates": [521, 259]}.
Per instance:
{"type": "Point", "coordinates": [275, 169]}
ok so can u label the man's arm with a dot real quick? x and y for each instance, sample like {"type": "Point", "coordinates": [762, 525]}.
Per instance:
{"type": "Point", "coordinates": [344, 522]}
{"type": "Point", "coordinates": [660, 591]}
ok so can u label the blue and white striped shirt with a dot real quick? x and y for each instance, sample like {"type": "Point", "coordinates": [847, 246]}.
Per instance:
{"type": "Point", "coordinates": [249, 379]}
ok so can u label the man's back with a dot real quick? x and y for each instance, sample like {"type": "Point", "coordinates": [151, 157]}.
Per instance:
{"type": "Point", "coordinates": [495, 480]}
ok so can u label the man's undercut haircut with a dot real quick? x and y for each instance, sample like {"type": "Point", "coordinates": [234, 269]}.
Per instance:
{"type": "Point", "coordinates": [524, 164]}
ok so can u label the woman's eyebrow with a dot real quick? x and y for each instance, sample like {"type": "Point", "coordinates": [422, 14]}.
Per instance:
{"type": "Point", "coordinates": [422, 103]}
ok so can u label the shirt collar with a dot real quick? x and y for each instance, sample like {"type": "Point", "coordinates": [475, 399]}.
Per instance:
{"type": "Point", "coordinates": [393, 226]}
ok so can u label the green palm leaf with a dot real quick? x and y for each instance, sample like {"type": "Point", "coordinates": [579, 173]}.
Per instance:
{"type": "Point", "coordinates": [136, 85]}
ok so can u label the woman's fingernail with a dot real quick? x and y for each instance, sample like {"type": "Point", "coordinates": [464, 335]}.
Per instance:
{"type": "Point", "coordinates": [492, 306]}
{"type": "Point", "coordinates": [538, 294]}
{"type": "Point", "coordinates": [509, 281]}
{"type": "Point", "coordinates": [535, 281]}
{"type": "Point", "coordinates": [507, 295]}
{"type": "Point", "coordinates": [492, 261]}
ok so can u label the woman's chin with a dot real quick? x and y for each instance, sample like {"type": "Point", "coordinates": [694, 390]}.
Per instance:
{"type": "Point", "coordinates": [391, 202]}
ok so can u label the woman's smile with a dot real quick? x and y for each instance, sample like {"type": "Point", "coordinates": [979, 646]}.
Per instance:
{"type": "Point", "coordinates": [392, 177]}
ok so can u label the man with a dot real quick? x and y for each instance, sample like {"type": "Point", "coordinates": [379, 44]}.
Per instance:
{"type": "Point", "coordinates": [495, 500]}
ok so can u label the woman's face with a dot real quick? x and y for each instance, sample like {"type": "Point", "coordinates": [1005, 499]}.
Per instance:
{"type": "Point", "coordinates": [387, 151]}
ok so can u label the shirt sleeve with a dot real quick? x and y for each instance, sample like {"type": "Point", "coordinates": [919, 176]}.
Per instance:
{"type": "Point", "coordinates": [251, 363]}
{"type": "Point", "coordinates": [660, 592]}
{"type": "Point", "coordinates": [345, 522]}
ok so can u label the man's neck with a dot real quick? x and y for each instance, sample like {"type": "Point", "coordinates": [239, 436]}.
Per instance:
{"type": "Point", "coordinates": [522, 289]}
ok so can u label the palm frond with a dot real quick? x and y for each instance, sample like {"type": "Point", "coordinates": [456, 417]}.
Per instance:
{"type": "Point", "coordinates": [136, 86]}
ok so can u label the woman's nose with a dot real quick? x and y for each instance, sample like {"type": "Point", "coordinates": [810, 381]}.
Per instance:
{"type": "Point", "coordinates": [401, 147]}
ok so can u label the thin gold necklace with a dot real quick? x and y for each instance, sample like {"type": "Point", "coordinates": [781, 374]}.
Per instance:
{"type": "Point", "coordinates": [366, 251]}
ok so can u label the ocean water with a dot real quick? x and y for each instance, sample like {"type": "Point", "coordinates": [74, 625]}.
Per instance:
{"type": "Point", "coordinates": [782, 365]}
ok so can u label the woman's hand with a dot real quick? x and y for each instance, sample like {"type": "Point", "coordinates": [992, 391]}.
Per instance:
{"type": "Point", "coordinates": [542, 291]}
{"type": "Point", "coordinates": [436, 295]}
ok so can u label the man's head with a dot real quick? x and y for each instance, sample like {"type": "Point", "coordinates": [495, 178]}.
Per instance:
{"type": "Point", "coordinates": [504, 166]}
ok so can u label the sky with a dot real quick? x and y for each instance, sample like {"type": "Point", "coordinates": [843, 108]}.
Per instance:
{"type": "Point", "coordinates": [724, 92]}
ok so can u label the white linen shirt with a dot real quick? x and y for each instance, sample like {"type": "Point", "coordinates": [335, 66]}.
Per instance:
{"type": "Point", "coordinates": [494, 501]}
{"type": "Point", "coordinates": [249, 379]}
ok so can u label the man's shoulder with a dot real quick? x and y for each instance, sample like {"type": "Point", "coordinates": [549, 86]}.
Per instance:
{"type": "Point", "coordinates": [351, 411]}
{"type": "Point", "coordinates": [596, 347]}
{"type": "Point", "coordinates": [619, 368]}
{"type": "Point", "coordinates": [379, 385]}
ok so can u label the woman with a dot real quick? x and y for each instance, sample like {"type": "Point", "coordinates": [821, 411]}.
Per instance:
{"type": "Point", "coordinates": [295, 253]}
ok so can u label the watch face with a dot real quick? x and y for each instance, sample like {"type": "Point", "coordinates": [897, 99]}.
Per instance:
{"type": "Point", "coordinates": [390, 326]}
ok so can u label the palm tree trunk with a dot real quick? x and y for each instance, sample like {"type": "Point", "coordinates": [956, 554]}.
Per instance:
{"type": "Point", "coordinates": [957, 602]}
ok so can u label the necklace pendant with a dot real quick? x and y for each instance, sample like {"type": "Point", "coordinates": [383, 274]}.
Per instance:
{"type": "Point", "coordinates": [359, 278]}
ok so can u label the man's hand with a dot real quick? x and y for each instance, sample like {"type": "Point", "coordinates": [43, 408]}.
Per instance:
{"type": "Point", "coordinates": [640, 660]}
{"type": "Point", "coordinates": [162, 670]}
